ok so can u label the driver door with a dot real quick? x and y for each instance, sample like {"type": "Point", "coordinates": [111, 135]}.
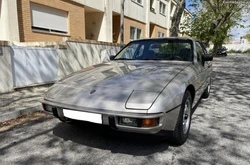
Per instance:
{"type": "Point", "coordinates": [201, 69]}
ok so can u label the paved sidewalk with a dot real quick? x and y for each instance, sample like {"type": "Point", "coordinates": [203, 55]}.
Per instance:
{"type": "Point", "coordinates": [21, 101]}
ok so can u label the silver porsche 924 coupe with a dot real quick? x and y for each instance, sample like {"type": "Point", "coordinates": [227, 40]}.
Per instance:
{"type": "Point", "coordinates": [149, 87]}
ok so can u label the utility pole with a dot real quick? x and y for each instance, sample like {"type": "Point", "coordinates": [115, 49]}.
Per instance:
{"type": "Point", "coordinates": [122, 24]}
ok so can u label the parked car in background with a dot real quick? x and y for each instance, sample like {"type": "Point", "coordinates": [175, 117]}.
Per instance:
{"type": "Point", "coordinates": [221, 51]}
{"type": "Point", "coordinates": [149, 87]}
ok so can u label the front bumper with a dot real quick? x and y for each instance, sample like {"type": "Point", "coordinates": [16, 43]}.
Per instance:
{"type": "Point", "coordinates": [111, 118]}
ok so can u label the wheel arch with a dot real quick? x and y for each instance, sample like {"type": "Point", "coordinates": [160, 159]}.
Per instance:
{"type": "Point", "coordinates": [191, 89]}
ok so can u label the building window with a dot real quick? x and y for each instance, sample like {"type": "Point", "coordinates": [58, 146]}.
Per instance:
{"type": "Point", "coordinates": [152, 5]}
{"type": "Point", "coordinates": [138, 1]}
{"type": "Point", "coordinates": [160, 34]}
{"type": "Point", "coordinates": [48, 19]}
{"type": "Point", "coordinates": [135, 33]}
{"type": "Point", "coordinates": [162, 8]}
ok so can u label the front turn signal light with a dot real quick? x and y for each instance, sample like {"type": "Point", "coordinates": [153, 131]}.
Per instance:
{"type": "Point", "coordinates": [151, 122]}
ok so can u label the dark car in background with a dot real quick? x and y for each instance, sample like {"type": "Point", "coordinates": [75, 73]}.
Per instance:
{"type": "Point", "coordinates": [221, 51]}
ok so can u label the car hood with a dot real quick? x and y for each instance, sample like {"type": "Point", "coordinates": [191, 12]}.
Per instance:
{"type": "Point", "coordinates": [110, 85]}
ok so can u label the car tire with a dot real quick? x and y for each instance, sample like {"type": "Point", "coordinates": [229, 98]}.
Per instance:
{"type": "Point", "coordinates": [180, 134]}
{"type": "Point", "coordinates": [207, 90]}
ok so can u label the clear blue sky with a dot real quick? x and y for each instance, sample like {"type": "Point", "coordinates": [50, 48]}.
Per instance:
{"type": "Point", "coordinates": [187, 5]}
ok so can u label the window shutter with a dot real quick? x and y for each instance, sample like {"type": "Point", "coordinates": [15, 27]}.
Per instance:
{"type": "Point", "coordinates": [49, 18]}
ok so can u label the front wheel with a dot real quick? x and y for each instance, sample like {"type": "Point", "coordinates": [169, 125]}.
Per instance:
{"type": "Point", "coordinates": [182, 127]}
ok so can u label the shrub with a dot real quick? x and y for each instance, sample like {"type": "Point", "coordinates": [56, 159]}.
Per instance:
{"type": "Point", "coordinates": [234, 51]}
{"type": "Point", "coordinates": [247, 51]}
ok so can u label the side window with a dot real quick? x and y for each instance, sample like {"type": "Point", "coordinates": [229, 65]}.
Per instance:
{"type": "Point", "coordinates": [139, 52]}
{"type": "Point", "coordinates": [200, 51]}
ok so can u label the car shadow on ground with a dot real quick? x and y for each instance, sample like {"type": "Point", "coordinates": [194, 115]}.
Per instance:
{"type": "Point", "coordinates": [105, 138]}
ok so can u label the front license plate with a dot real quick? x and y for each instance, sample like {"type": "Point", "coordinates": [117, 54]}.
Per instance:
{"type": "Point", "coordinates": [83, 116]}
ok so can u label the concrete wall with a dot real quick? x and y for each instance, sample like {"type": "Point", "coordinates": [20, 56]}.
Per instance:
{"type": "Point", "coordinates": [242, 47]}
{"type": "Point", "coordinates": [236, 47]}
{"type": "Point", "coordinates": [71, 56]}
{"type": "Point", "coordinates": [95, 4]}
{"type": "Point", "coordinates": [78, 55]}
{"type": "Point", "coordinates": [6, 80]}
{"type": "Point", "coordinates": [95, 23]}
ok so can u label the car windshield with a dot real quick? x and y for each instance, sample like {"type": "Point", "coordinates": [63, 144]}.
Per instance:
{"type": "Point", "coordinates": [158, 49]}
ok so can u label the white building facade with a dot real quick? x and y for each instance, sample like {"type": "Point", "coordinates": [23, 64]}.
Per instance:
{"type": "Point", "coordinates": [22, 20]}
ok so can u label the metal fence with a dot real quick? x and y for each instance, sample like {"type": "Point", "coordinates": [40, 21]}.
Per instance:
{"type": "Point", "coordinates": [33, 65]}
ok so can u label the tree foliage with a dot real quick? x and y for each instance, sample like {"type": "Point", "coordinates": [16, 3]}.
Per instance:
{"type": "Point", "coordinates": [213, 19]}
{"type": "Point", "coordinates": [247, 37]}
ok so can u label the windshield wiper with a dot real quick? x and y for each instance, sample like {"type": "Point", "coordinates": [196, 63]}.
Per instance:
{"type": "Point", "coordinates": [153, 59]}
{"type": "Point", "coordinates": [123, 59]}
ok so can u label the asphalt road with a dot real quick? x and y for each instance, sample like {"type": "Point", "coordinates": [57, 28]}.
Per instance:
{"type": "Point", "coordinates": [220, 132]}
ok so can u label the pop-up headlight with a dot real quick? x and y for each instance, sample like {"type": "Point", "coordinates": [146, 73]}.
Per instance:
{"type": "Point", "coordinates": [141, 100]}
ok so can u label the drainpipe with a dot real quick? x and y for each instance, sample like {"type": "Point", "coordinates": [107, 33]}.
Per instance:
{"type": "Point", "coordinates": [122, 24]}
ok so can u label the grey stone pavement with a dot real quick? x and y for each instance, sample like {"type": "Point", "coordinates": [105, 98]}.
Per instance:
{"type": "Point", "coordinates": [220, 132]}
{"type": "Point", "coordinates": [21, 101]}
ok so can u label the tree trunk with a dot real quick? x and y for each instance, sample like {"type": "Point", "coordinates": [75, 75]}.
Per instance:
{"type": "Point", "coordinates": [177, 18]}
{"type": "Point", "coordinates": [216, 45]}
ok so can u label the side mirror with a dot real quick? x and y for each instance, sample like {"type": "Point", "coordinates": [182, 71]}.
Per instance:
{"type": "Point", "coordinates": [112, 57]}
{"type": "Point", "coordinates": [207, 57]}
{"type": "Point", "coordinates": [106, 55]}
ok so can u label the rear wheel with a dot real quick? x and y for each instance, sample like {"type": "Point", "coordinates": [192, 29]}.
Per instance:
{"type": "Point", "coordinates": [182, 127]}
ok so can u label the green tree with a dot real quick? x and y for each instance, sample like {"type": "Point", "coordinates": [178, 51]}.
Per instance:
{"type": "Point", "coordinates": [213, 19]}
{"type": "Point", "coordinates": [247, 36]}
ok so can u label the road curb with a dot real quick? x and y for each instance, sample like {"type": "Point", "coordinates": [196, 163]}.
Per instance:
{"type": "Point", "coordinates": [13, 114]}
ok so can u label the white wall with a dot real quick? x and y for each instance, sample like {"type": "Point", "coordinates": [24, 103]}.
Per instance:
{"type": "Point", "coordinates": [9, 30]}
{"type": "Point", "coordinates": [6, 80]}
{"type": "Point", "coordinates": [242, 47]}
{"type": "Point", "coordinates": [158, 18]}
{"type": "Point", "coordinates": [79, 55]}
{"type": "Point", "coordinates": [136, 11]}
{"type": "Point", "coordinates": [106, 33]}
{"type": "Point", "coordinates": [96, 4]}
{"type": "Point", "coordinates": [132, 9]}
{"type": "Point", "coordinates": [3, 20]}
